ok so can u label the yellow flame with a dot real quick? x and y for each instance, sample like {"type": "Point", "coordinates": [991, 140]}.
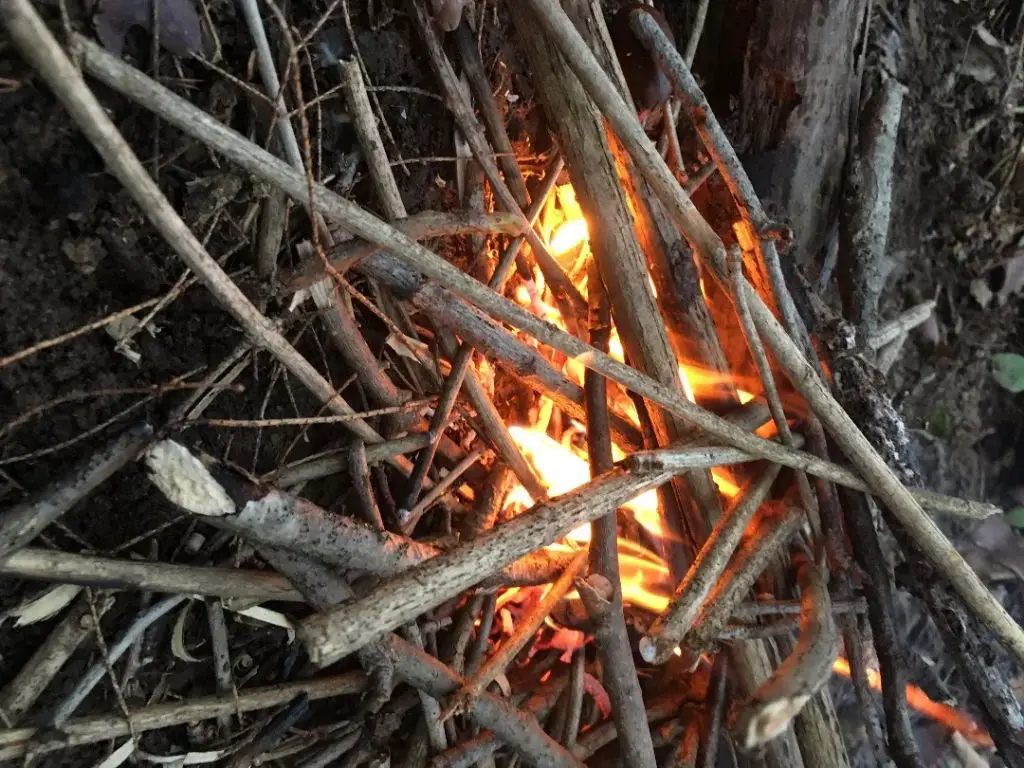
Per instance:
{"type": "Point", "coordinates": [568, 235]}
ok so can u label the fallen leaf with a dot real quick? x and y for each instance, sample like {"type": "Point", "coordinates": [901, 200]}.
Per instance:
{"type": "Point", "coordinates": [987, 37]}
{"type": "Point", "coordinates": [178, 648]}
{"type": "Point", "coordinates": [44, 607]}
{"type": "Point", "coordinates": [177, 21]}
{"type": "Point", "coordinates": [1013, 280]}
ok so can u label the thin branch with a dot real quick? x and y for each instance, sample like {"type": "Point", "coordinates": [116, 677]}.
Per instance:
{"type": "Point", "coordinates": [17, 742]}
{"type": "Point", "coordinates": [333, 635]}
{"type": "Point", "coordinates": [668, 629]}
{"type": "Point", "coordinates": [906, 321]}
{"type": "Point", "coordinates": [21, 524]}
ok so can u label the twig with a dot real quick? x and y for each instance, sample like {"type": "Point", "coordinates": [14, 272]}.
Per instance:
{"type": "Point", "coordinates": [474, 685]}
{"type": "Point", "coordinates": [574, 705]}
{"type": "Point", "coordinates": [18, 696]}
{"type": "Point", "coordinates": [95, 673]}
{"type": "Point", "coordinates": [906, 321]}
{"type": "Point", "coordinates": [610, 634]}
{"type": "Point", "coordinates": [15, 743]}
{"type": "Point", "coordinates": [468, 753]}
{"type": "Point", "coordinates": [879, 588]}
{"type": "Point", "coordinates": [696, 29]}
{"type": "Point", "coordinates": [408, 519]}
{"type": "Point", "coordinates": [359, 474]}
{"type": "Point", "coordinates": [305, 421]}
{"type": "Point", "coordinates": [856, 649]}
{"type": "Point", "coordinates": [58, 340]}
{"type": "Point", "coordinates": [87, 570]}
{"type": "Point", "coordinates": [432, 715]}
{"type": "Point", "coordinates": [520, 732]}
{"type": "Point", "coordinates": [867, 205]}
{"type": "Point", "coordinates": [780, 698]}
{"type": "Point", "coordinates": [718, 686]}
{"type": "Point", "coordinates": [674, 459]}
{"type": "Point", "coordinates": [39, 47]}
{"type": "Point", "coordinates": [606, 733]}
{"type": "Point", "coordinates": [668, 629]}
{"type": "Point", "coordinates": [221, 655]}
{"type": "Point", "coordinates": [280, 519]}
{"type": "Point", "coordinates": [770, 531]}
{"type": "Point", "coordinates": [316, 467]}
{"type": "Point", "coordinates": [420, 226]}
{"type": "Point", "coordinates": [332, 635]}
{"type": "Point", "coordinates": [567, 296]}
{"type": "Point", "coordinates": [20, 525]}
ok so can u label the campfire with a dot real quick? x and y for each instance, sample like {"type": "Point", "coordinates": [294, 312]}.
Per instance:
{"type": "Point", "coordinates": [611, 499]}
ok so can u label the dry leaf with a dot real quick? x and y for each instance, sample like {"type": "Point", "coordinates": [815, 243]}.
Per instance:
{"type": "Point", "coordinates": [117, 758]}
{"type": "Point", "coordinates": [177, 21]}
{"type": "Point", "coordinates": [267, 616]}
{"type": "Point", "coordinates": [44, 607]}
{"type": "Point", "coordinates": [1013, 280]}
{"type": "Point", "coordinates": [178, 636]}
{"type": "Point", "coordinates": [987, 37]}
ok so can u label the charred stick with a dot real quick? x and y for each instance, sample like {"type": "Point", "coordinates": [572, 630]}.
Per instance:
{"type": "Point", "coordinates": [668, 629]}
{"type": "Point", "coordinates": [461, 633]}
{"type": "Point", "coordinates": [1000, 708]}
{"type": "Point", "coordinates": [479, 647]}
{"type": "Point", "coordinates": [769, 533]}
{"type": "Point", "coordinates": [18, 696]}
{"type": "Point", "coordinates": [780, 698]}
{"type": "Point", "coordinates": [574, 705]}
{"type": "Point", "coordinates": [879, 589]}
{"type": "Point", "coordinates": [332, 635]}
{"type": "Point", "coordinates": [419, 226]}
{"type": "Point", "coordinates": [108, 573]}
{"type": "Point", "coordinates": [856, 650]}
{"type": "Point", "coordinates": [464, 357]}
{"type": "Point", "coordinates": [21, 524]}
{"type": "Point", "coordinates": [685, 753]}
{"type": "Point", "coordinates": [15, 743]}
{"type": "Point", "coordinates": [432, 715]}
{"type": "Point", "coordinates": [477, 683]}
{"type": "Point", "coordinates": [220, 655]}
{"type": "Point", "coordinates": [707, 754]}
{"type": "Point", "coordinates": [95, 673]}
{"type": "Point", "coordinates": [471, 751]}
{"type": "Point", "coordinates": [606, 733]}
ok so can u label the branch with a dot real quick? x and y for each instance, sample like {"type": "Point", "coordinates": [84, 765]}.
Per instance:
{"type": "Point", "coordinates": [21, 524]}
{"type": "Point", "coordinates": [333, 635]}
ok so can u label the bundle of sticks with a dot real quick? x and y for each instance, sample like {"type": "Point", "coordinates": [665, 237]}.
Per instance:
{"type": "Point", "coordinates": [612, 342]}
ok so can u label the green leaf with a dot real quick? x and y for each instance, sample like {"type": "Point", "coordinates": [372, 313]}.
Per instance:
{"type": "Point", "coordinates": [1015, 517]}
{"type": "Point", "coordinates": [1008, 371]}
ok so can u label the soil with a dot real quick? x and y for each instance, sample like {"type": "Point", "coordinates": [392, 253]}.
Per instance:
{"type": "Point", "coordinates": [74, 248]}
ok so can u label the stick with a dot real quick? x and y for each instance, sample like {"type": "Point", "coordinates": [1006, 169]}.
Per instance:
{"type": "Point", "coordinates": [658, 644]}
{"type": "Point", "coordinates": [20, 525]}
{"type": "Point", "coordinates": [769, 533]}
{"type": "Point", "coordinates": [520, 732]}
{"type": "Point", "coordinates": [106, 573]}
{"type": "Point", "coordinates": [359, 475]}
{"type": "Point", "coordinates": [40, 48]}
{"type": "Point", "coordinates": [610, 633]}
{"type": "Point", "coordinates": [527, 626]}
{"type": "Point", "coordinates": [780, 698]}
{"type": "Point", "coordinates": [95, 673]}
{"type": "Point", "coordinates": [18, 696]}
{"type": "Point", "coordinates": [867, 207]}
{"type": "Point", "coordinates": [315, 468]}
{"type": "Point", "coordinates": [15, 743]}
{"type": "Point", "coordinates": [879, 588]}
{"type": "Point", "coordinates": [675, 459]}
{"type": "Point", "coordinates": [604, 734]}
{"type": "Point", "coordinates": [900, 325]}
{"type": "Point", "coordinates": [420, 226]}
{"type": "Point", "coordinates": [331, 636]}
{"type": "Point", "coordinates": [408, 519]}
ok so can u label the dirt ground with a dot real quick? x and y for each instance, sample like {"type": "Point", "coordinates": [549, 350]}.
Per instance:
{"type": "Point", "coordinates": [73, 248]}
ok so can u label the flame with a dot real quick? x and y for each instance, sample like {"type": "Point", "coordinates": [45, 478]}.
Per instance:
{"type": "Point", "coordinates": [569, 234]}
{"type": "Point", "coordinates": [948, 716]}
{"type": "Point", "coordinates": [562, 471]}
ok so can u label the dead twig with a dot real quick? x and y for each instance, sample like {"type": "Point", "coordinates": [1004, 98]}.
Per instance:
{"type": "Point", "coordinates": [88, 570]}
{"type": "Point", "coordinates": [20, 525]}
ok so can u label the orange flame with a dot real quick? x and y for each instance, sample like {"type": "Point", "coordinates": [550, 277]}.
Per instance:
{"type": "Point", "coordinates": [948, 716]}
